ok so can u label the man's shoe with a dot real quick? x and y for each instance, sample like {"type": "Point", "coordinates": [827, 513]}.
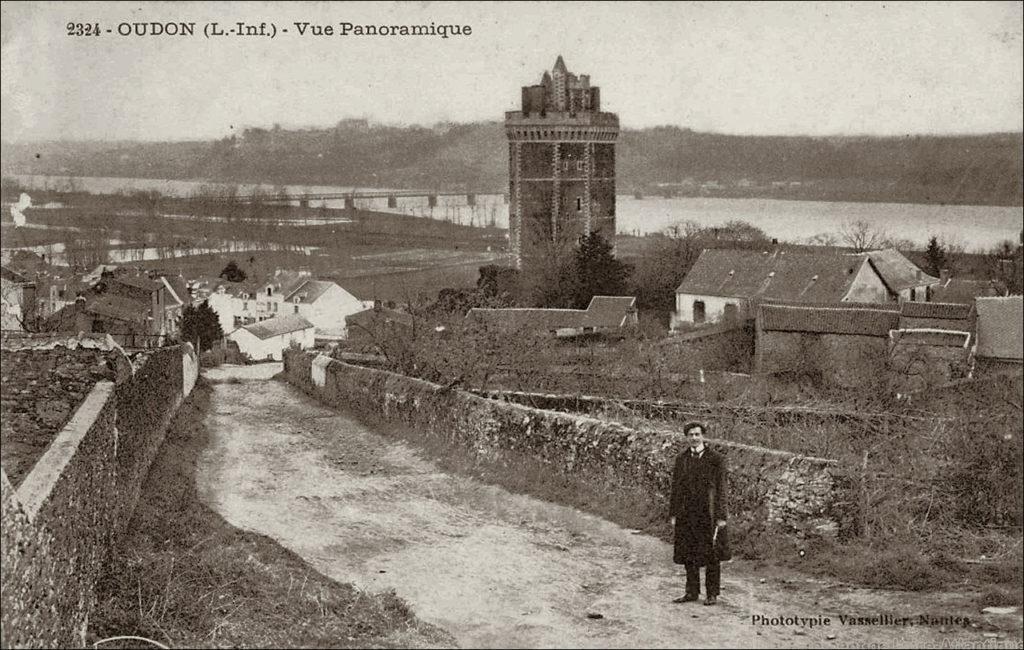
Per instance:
{"type": "Point", "coordinates": [688, 598]}
{"type": "Point", "coordinates": [711, 600]}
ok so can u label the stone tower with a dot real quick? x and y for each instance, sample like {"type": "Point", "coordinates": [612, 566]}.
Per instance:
{"type": "Point", "coordinates": [561, 154]}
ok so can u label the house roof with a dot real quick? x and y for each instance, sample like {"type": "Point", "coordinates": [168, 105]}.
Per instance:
{"type": "Point", "coordinates": [835, 319]}
{"type": "Point", "coordinates": [138, 281]}
{"type": "Point", "coordinates": [278, 326]}
{"type": "Point", "coordinates": [801, 276]}
{"type": "Point", "coordinates": [1001, 328]}
{"type": "Point", "coordinates": [178, 289]}
{"type": "Point", "coordinates": [936, 310]}
{"type": "Point", "coordinates": [957, 290]}
{"type": "Point", "coordinates": [118, 307]}
{"type": "Point", "coordinates": [897, 271]}
{"type": "Point", "coordinates": [609, 311]}
{"type": "Point", "coordinates": [310, 290]}
{"type": "Point", "coordinates": [12, 276]}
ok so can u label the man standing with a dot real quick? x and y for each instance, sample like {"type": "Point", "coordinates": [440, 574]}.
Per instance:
{"type": "Point", "coordinates": [698, 512]}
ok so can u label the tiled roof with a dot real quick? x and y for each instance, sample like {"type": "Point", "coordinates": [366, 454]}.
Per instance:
{"type": "Point", "coordinates": [835, 319]}
{"type": "Point", "coordinates": [1001, 328]}
{"type": "Point", "coordinates": [956, 290]}
{"type": "Point", "coordinates": [178, 287]}
{"type": "Point", "coordinates": [309, 291]}
{"type": "Point", "coordinates": [278, 326]}
{"type": "Point", "coordinates": [12, 276]}
{"type": "Point", "coordinates": [824, 277]}
{"type": "Point", "coordinates": [936, 310]}
{"type": "Point", "coordinates": [609, 311]}
{"type": "Point", "coordinates": [897, 271]}
{"type": "Point", "coordinates": [118, 308]}
{"type": "Point", "coordinates": [138, 281]}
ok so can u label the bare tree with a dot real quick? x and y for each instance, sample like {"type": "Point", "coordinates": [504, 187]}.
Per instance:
{"type": "Point", "coordinates": [861, 235]}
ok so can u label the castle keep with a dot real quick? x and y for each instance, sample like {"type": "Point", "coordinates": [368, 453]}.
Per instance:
{"type": "Point", "coordinates": [561, 166]}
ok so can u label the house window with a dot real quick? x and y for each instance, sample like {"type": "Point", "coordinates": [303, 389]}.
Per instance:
{"type": "Point", "coordinates": [913, 295]}
{"type": "Point", "coordinates": [296, 309]}
{"type": "Point", "coordinates": [270, 291]}
{"type": "Point", "coordinates": [99, 326]}
{"type": "Point", "coordinates": [275, 306]}
{"type": "Point", "coordinates": [579, 204]}
{"type": "Point", "coordinates": [730, 313]}
{"type": "Point", "coordinates": [579, 165]}
{"type": "Point", "coordinates": [245, 306]}
{"type": "Point", "coordinates": [699, 311]}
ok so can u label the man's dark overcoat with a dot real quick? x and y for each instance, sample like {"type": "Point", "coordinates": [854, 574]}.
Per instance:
{"type": "Point", "coordinates": [698, 501]}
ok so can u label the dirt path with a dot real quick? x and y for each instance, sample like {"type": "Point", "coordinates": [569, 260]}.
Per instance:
{"type": "Point", "coordinates": [492, 568]}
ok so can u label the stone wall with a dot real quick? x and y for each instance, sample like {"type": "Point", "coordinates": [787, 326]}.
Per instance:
{"type": "Point", "coordinates": [766, 486]}
{"type": "Point", "coordinates": [59, 523]}
{"type": "Point", "coordinates": [842, 360]}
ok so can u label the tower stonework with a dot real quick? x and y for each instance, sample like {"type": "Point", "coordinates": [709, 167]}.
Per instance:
{"type": "Point", "coordinates": [561, 154]}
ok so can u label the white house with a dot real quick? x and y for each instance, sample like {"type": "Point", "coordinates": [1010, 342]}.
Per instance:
{"type": "Point", "coordinates": [269, 338]}
{"type": "Point", "coordinates": [323, 303]}
{"type": "Point", "coordinates": [725, 284]}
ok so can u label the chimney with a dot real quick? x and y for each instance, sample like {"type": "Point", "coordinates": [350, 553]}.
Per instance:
{"type": "Point", "coordinates": [943, 277]}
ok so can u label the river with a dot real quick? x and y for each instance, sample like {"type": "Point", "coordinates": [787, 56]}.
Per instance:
{"type": "Point", "coordinates": [974, 228]}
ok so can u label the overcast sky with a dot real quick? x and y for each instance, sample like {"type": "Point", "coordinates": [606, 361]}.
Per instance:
{"type": "Point", "coordinates": [772, 68]}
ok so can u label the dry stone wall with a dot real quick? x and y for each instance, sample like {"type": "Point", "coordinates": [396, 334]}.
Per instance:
{"type": "Point", "coordinates": [58, 524]}
{"type": "Point", "coordinates": [767, 487]}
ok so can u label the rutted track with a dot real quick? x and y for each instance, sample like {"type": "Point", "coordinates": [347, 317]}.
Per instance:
{"type": "Point", "coordinates": [492, 568]}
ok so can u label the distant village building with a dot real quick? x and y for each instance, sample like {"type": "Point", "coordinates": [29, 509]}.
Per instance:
{"type": "Point", "coordinates": [604, 314]}
{"type": "Point", "coordinates": [268, 339]}
{"type": "Point", "coordinates": [17, 300]}
{"type": "Point", "coordinates": [323, 303]}
{"type": "Point", "coordinates": [561, 166]}
{"type": "Point", "coordinates": [136, 310]}
{"type": "Point", "coordinates": [727, 284]}
{"type": "Point", "coordinates": [370, 324]}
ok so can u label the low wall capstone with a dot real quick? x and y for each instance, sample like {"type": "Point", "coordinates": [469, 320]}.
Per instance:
{"type": "Point", "coordinates": [58, 525]}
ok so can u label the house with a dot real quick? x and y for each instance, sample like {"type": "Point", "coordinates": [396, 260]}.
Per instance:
{"type": "Point", "coordinates": [726, 284]}
{"type": "Point", "coordinates": [1000, 335]}
{"type": "Point", "coordinates": [326, 305]}
{"type": "Point", "coordinates": [323, 303]}
{"type": "Point", "coordinates": [903, 278]}
{"type": "Point", "coordinates": [840, 344]}
{"type": "Point", "coordinates": [604, 314]}
{"type": "Point", "coordinates": [136, 310]}
{"type": "Point", "coordinates": [17, 301]}
{"type": "Point", "coordinates": [269, 338]}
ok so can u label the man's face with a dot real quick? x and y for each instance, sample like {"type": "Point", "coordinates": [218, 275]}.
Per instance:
{"type": "Point", "coordinates": [695, 436]}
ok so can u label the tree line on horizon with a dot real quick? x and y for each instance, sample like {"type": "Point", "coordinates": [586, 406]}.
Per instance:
{"type": "Point", "coordinates": [961, 169]}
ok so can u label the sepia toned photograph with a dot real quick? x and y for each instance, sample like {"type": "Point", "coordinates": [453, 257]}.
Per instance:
{"type": "Point", "coordinates": [512, 324]}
